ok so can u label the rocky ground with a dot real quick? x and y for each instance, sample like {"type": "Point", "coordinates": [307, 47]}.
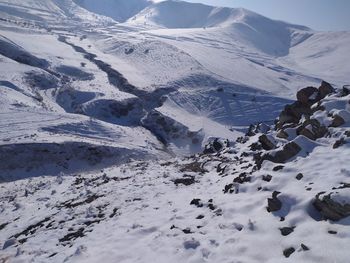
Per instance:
{"type": "Point", "coordinates": [279, 194]}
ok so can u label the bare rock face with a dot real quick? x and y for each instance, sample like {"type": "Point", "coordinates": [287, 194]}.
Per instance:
{"type": "Point", "coordinates": [331, 209]}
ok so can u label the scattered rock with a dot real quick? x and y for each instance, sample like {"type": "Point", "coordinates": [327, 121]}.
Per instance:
{"type": "Point", "coordinates": [299, 176]}
{"type": "Point", "coordinates": [242, 178]}
{"type": "Point", "coordinates": [267, 178]}
{"type": "Point", "coordinates": [277, 168]}
{"type": "Point", "coordinates": [339, 143]}
{"type": "Point", "coordinates": [285, 231]}
{"type": "Point", "coordinates": [288, 251]}
{"type": "Point", "coordinates": [186, 180]}
{"type": "Point", "coordinates": [304, 247]}
{"type": "Point", "coordinates": [274, 204]}
{"type": "Point", "coordinates": [2, 226]}
{"type": "Point", "coordinates": [197, 202]}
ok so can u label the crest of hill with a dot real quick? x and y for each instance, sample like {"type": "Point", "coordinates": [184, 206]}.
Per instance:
{"type": "Point", "coordinates": [180, 14]}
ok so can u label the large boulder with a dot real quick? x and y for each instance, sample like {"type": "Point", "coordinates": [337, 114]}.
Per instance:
{"type": "Point", "coordinates": [288, 151]}
{"type": "Point", "coordinates": [325, 89]}
{"type": "Point", "coordinates": [292, 114]}
{"type": "Point", "coordinates": [332, 206]}
{"type": "Point", "coordinates": [266, 143]}
{"type": "Point", "coordinates": [312, 129]}
{"type": "Point", "coordinates": [308, 95]}
{"type": "Point", "coordinates": [337, 121]}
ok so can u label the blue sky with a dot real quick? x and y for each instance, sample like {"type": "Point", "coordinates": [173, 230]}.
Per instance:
{"type": "Point", "coordinates": [317, 14]}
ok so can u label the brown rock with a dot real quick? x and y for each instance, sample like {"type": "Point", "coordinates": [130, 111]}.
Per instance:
{"type": "Point", "coordinates": [337, 121]}
{"type": "Point", "coordinates": [282, 134]}
{"type": "Point", "coordinates": [325, 89]}
{"type": "Point", "coordinates": [289, 150]}
{"type": "Point", "coordinates": [345, 91]}
{"type": "Point", "coordinates": [331, 209]}
{"type": "Point", "coordinates": [305, 95]}
{"type": "Point", "coordinates": [266, 143]}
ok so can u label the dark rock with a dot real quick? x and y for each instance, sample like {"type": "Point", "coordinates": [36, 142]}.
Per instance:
{"type": "Point", "coordinates": [347, 133]}
{"type": "Point", "coordinates": [339, 143]}
{"type": "Point", "coordinates": [288, 251]}
{"type": "Point", "coordinates": [187, 231]}
{"type": "Point", "coordinates": [266, 143]}
{"type": "Point", "coordinates": [325, 89]}
{"type": "Point", "coordinates": [274, 204]}
{"type": "Point", "coordinates": [304, 247]}
{"type": "Point", "coordinates": [255, 146]}
{"type": "Point", "coordinates": [337, 121]}
{"type": "Point", "coordinates": [200, 217]}
{"type": "Point", "coordinates": [282, 134]}
{"type": "Point", "coordinates": [277, 168]}
{"type": "Point", "coordinates": [345, 91]}
{"type": "Point", "coordinates": [317, 130]}
{"type": "Point", "coordinates": [267, 178]}
{"type": "Point", "coordinates": [211, 206]}
{"type": "Point", "coordinates": [285, 231]}
{"type": "Point", "coordinates": [307, 95]}
{"type": "Point", "coordinates": [197, 202]}
{"type": "Point", "coordinates": [242, 178]}
{"type": "Point", "coordinates": [332, 232]}
{"type": "Point", "coordinates": [195, 167]}
{"type": "Point", "coordinates": [229, 188]}
{"type": "Point", "coordinates": [2, 226]}
{"type": "Point", "coordinates": [215, 146]}
{"type": "Point", "coordinates": [289, 150]}
{"type": "Point", "coordinates": [299, 176]}
{"type": "Point", "coordinates": [188, 180]}
{"type": "Point", "coordinates": [331, 209]}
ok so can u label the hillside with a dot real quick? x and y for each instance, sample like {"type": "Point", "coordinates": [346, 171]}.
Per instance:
{"type": "Point", "coordinates": [133, 131]}
{"type": "Point", "coordinates": [269, 196]}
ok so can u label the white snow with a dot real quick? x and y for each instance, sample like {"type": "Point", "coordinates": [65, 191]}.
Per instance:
{"type": "Point", "coordinates": [89, 181]}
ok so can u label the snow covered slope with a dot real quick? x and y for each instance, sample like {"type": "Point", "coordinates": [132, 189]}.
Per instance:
{"type": "Point", "coordinates": [226, 68]}
{"type": "Point", "coordinates": [119, 10]}
{"type": "Point", "coordinates": [224, 205]}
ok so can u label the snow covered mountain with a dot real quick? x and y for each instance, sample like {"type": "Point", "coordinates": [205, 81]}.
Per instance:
{"type": "Point", "coordinates": [119, 10]}
{"type": "Point", "coordinates": [101, 100]}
